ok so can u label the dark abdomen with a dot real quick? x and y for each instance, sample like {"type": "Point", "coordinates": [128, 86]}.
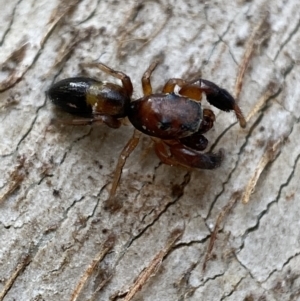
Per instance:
{"type": "Point", "coordinates": [70, 95]}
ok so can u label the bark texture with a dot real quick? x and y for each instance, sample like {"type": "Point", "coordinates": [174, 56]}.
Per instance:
{"type": "Point", "coordinates": [174, 234]}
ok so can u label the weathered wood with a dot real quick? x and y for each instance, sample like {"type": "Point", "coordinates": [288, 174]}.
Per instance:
{"type": "Point", "coordinates": [60, 240]}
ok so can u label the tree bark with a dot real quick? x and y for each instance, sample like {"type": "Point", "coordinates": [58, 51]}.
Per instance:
{"type": "Point", "coordinates": [172, 233]}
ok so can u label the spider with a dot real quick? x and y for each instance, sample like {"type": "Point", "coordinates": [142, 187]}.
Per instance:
{"type": "Point", "coordinates": [175, 121]}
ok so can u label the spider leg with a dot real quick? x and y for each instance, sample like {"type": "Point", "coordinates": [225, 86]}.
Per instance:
{"type": "Point", "coordinates": [171, 83]}
{"type": "Point", "coordinates": [108, 120]}
{"type": "Point", "coordinates": [126, 81]}
{"type": "Point", "coordinates": [216, 96]}
{"type": "Point", "coordinates": [127, 150]}
{"type": "Point", "coordinates": [179, 154]}
{"type": "Point", "coordinates": [146, 83]}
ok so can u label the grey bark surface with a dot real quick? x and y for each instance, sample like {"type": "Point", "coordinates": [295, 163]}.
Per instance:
{"type": "Point", "coordinates": [59, 240]}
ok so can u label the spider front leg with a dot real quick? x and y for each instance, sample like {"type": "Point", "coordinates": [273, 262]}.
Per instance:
{"type": "Point", "coordinates": [174, 153]}
{"type": "Point", "coordinates": [216, 96]}
{"type": "Point", "coordinates": [171, 83]}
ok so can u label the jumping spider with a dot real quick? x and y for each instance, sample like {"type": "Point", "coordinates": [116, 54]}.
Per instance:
{"type": "Point", "coordinates": [175, 121]}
